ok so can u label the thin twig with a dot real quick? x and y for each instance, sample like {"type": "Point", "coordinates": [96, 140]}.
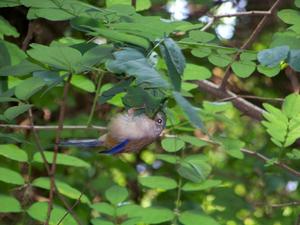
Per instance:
{"type": "Point", "coordinates": [247, 44]}
{"type": "Point", "coordinates": [98, 89]}
{"type": "Point", "coordinates": [247, 13]}
{"type": "Point", "coordinates": [133, 3]}
{"type": "Point", "coordinates": [209, 24]}
{"type": "Point", "coordinates": [241, 104]}
{"type": "Point", "coordinates": [37, 140]}
{"type": "Point", "coordinates": [292, 75]}
{"type": "Point", "coordinates": [253, 154]}
{"type": "Point", "coordinates": [251, 97]}
{"type": "Point", "coordinates": [52, 127]}
{"type": "Point", "coordinates": [29, 36]}
{"type": "Point", "coordinates": [266, 159]}
{"type": "Point", "coordinates": [57, 139]}
{"type": "Point", "coordinates": [70, 208]}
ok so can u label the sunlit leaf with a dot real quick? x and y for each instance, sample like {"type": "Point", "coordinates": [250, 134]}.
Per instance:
{"type": "Point", "coordinates": [116, 194]}
{"type": "Point", "coordinates": [159, 182]}
{"type": "Point", "coordinates": [9, 204]}
{"type": "Point", "coordinates": [13, 152]}
{"type": "Point", "coordinates": [10, 176]}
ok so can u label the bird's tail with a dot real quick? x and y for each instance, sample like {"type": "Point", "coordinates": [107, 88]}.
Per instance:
{"type": "Point", "coordinates": [85, 143]}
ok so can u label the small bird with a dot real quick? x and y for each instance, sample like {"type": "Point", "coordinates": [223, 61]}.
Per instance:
{"type": "Point", "coordinates": [127, 132]}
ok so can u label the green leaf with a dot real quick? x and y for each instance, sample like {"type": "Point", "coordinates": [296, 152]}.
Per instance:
{"type": "Point", "coordinates": [294, 154]}
{"type": "Point", "coordinates": [128, 210]}
{"type": "Point", "coordinates": [29, 87]}
{"type": "Point", "coordinates": [8, 99]}
{"type": "Point", "coordinates": [232, 147]}
{"type": "Point", "coordinates": [101, 221]}
{"type": "Point", "coordinates": [12, 112]}
{"type": "Point", "coordinates": [62, 159]}
{"type": "Point", "coordinates": [189, 110]}
{"type": "Point", "coordinates": [23, 68]}
{"type": "Point", "coordinates": [207, 184]}
{"type": "Point", "coordinates": [60, 57]}
{"type": "Point", "coordinates": [294, 59]}
{"type": "Point", "coordinates": [138, 97]}
{"type": "Point", "coordinates": [104, 207]}
{"type": "Point", "coordinates": [132, 62]}
{"type": "Point", "coordinates": [6, 29]}
{"type": "Point", "coordinates": [38, 211]}
{"type": "Point", "coordinates": [84, 83]}
{"type": "Point", "coordinates": [268, 71]}
{"type": "Point", "coordinates": [94, 56]}
{"type": "Point", "coordinates": [9, 204]}
{"type": "Point", "coordinates": [195, 72]}
{"type": "Point", "coordinates": [172, 144]}
{"type": "Point", "coordinates": [63, 188]}
{"type": "Point", "coordinates": [201, 52]}
{"type": "Point", "coordinates": [219, 60]}
{"type": "Point", "coordinates": [140, 5]}
{"type": "Point", "coordinates": [243, 68]}
{"type": "Point", "coordinates": [13, 152]}
{"type": "Point", "coordinates": [194, 169]}
{"type": "Point", "coordinates": [175, 61]}
{"type": "Point", "coordinates": [118, 88]}
{"type": "Point", "coordinates": [168, 158]}
{"type": "Point", "coordinates": [273, 56]}
{"type": "Point", "coordinates": [193, 141]}
{"type": "Point", "coordinates": [10, 176]}
{"type": "Point", "coordinates": [201, 36]}
{"type": "Point", "coordinates": [248, 56]}
{"type": "Point", "coordinates": [289, 16]}
{"type": "Point", "coordinates": [291, 105]}
{"type": "Point", "coordinates": [118, 36]}
{"type": "Point", "coordinates": [158, 182]}
{"type": "Point", "coordinates": [153, 215]}
{"type": "Point", "coordinates": [189, 218]}
{"type": "Point", "coordinates": [116, 194]}
{"type": "Point", "coordinates": [9, 3]}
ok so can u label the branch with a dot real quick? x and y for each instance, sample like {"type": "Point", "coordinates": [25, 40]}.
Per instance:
{"type": "Point", "coordinates": [247, 13]}
{"type": "Point", "coordinates": [37, 141]}
{"type": "Point", "coordinates": [265, 159]}
{"type": "Point", "coordinates": [238, 14]}
{"type": "Point", "coordinates": [248, 43]}
{"type": "Point", "coordinates": [56, 147]}
{"type": "Point", "coordinates": [52, 127]}
{"type": "Point", "coordinates": [241, 104]}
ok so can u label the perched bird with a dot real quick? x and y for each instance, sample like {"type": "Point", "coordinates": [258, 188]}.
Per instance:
{"type": "Point", "coordinates": [126, 133]}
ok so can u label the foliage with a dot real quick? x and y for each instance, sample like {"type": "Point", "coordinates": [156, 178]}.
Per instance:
{"type": "Point", "coordinates": [115, 57]}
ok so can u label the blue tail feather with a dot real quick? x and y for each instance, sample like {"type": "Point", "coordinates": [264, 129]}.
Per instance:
{"type": "Point", "coordinates": [117, 148]}
{"type": "Point", "coordinates": [86, 143]}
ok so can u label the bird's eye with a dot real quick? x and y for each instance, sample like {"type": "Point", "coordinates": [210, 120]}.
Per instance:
{"type": "Point", "coordinates": [159, 121]}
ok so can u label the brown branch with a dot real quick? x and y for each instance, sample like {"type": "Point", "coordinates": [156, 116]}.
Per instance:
{"type": "Point", "coordinates": [133, 3]}
{"type": "Point", "coordinates": [247, 44]}
{"type": "Point", "coordinates": [69, 208]}
{"type": "Point", "coordinates": [252, 97]}
{"type": "Point", "coordinates": [29, 36]}
{"type": "Point", "coordinates": [37, 141]}
{"type": "Point", "coordinates": [52, 127]}
{"type": "Point", "coordinates": [266, 159]}
{"type": "Point", "coordinates": [292, 75]}
{"type": "Point", "coordinates": [253, 154]}
{"type": "Point", "coordinates": [247, 13]}
{"type": "Point", "coordinates": [238, 14]}
{"type": "Point", "coordinates": [241, 104]}
{"type": "Point", "coordinates": [56, 147]}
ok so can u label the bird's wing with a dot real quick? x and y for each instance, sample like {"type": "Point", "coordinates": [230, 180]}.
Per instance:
{"type": "Point", "coordinates": [117, 148]}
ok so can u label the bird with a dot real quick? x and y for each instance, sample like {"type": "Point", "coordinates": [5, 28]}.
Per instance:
{"type": "Point", "coordinates": [127, 132]}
